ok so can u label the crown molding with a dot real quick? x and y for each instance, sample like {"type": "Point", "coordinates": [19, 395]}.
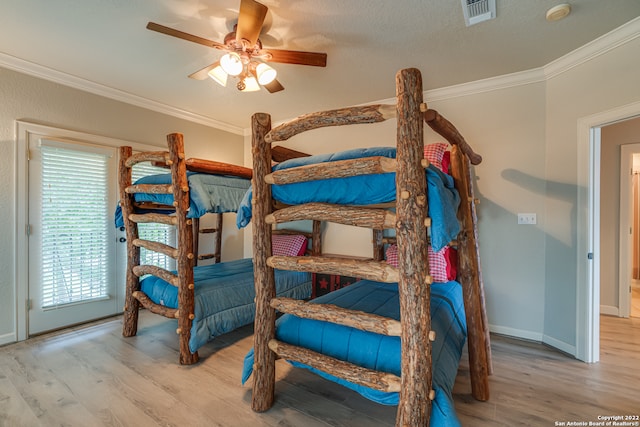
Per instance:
{"type": "Point", "coordinates": [487, 85]}
{"type": "Point", "coordinates": [607, 42]}
{"type": "Point", "coordinates": [621, 35]}
{"type": "Point", "coordinates": [603, 44]}
{"type": "Point", "coordinates": [45, 73]}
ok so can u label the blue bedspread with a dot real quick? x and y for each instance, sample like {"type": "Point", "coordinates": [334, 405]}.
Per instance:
{"type": "Point", "coordinates": [208, 193]}
{"type": "Point", "coordinates": [381, 352]}
{"type": "Point", "coordinates": [224, 296]}
{"type": "Point", "coordinates": [366, 190]}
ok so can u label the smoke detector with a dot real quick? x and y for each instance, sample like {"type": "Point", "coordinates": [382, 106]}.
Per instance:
{"type": "Point", "coordinates": [476, 11]}
{"type": "Point", "coordinates": [558, 12]}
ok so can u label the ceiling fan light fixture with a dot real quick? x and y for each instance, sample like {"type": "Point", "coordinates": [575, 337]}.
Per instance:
{"type": "Point", "coordinates": [265, 73]}
{"type": "Point", "coordinates": [219, 75]}
{"type": "Point", "coordinates": [231, 63]}
{"type": "Point", "coordinates": [250, 84]}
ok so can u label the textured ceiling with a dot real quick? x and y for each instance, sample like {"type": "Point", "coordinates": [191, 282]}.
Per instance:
{"type": "Point", "coordinates": [105, 43]}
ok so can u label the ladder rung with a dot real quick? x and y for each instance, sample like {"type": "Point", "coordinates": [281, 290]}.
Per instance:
{"type": "Point", "coordinates": [208, 230]}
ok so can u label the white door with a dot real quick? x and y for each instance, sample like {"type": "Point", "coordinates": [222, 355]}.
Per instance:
{"type": "Point", "coordinates": [73, 274]}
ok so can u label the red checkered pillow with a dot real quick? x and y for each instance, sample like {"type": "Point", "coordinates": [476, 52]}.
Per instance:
{"type": "Point", "coordinates": [451, 255]}
{"type": "Point", "coordinates": [446, 161]}
{"type": "Point", "coordinates": [437, 262]}
{"type": "Point", "coordinates": [434, 153]}
{"type": "Point", "coordinates": [288, 245]}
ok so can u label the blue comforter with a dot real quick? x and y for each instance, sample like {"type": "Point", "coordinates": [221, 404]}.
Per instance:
{"type": "Point", "coordinates": [380, 352]}
{"type": "Point", "coordinates": [366, 190]}
{"type": "Point", "coordinates": [224, 296]}
{"type": "Point", "coordinates": [208, 193]}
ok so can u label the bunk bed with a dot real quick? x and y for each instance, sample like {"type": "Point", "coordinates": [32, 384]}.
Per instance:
{"type": "Point", "coordinates": [207, 300]}
{"type": "Point", "coordinates": [421, 325]}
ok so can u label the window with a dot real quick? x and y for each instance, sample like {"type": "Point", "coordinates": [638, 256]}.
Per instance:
{"type": "Point", "coordinates": [74, 229]}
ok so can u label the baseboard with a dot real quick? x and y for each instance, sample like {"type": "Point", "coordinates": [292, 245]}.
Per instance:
{"type": "Point", "coordinates": [516, 333]}
{"type": "Point", "coordinates": [8, 338]}
{"type": "Point", "coordinates": [609, 310]}
{"type": "Point", "coordinates": [560, 345]}
{"type": "Point", "coordinates": [536, 337]}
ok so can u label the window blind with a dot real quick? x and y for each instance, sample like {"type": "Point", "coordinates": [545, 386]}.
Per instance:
{"type": "Point", "coordinates": [74, 226]}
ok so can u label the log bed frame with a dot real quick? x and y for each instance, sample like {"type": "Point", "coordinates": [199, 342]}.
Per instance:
{"type": "Point", "coordinates": [185, 252]}
{"type": "Point", "coordinates": [410, 223]}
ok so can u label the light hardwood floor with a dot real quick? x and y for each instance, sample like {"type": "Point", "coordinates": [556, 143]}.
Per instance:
{"type": "Point", "coordinates": [92, 376]}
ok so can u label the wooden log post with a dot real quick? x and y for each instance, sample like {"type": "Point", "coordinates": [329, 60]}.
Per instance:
{"type": "Point", "coordinates": [185, 259]}
{"type": "Point", "coordinates": [218, 239]}
{"type": "Point", "coordinates": [414, 285]}
{"type": "Point", "coordinates": [264, 327]}
{"type": "Point", "coordinates": [195, 226]}
{"type": "Point", "coordinates": [378, 245]}
{"type": "Point", "coordinates": [469, 276]}
{"type": "Point", "coordinates": [316, 242]}
{"type": "Point", "coordinates": [131, 305]}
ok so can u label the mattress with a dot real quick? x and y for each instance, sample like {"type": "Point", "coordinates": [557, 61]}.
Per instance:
{"type": "Point", "coordinates": [366, 190]}
{"type": "Point", "coordinates": [208, 193]}
{"type": "Point", "coordinates": [224, 296]}
{"type": "Point", "coordinates": [381, 352]}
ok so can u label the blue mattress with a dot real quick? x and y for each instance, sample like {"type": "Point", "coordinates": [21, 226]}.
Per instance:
{"type": "Point", "coordinates": [208, 193]}
{"type": "Point", "coordinates": [224, 296]}
{"type": "Point", "coordinates": [366, 190]}
{"type": "Point", "coordinates": [382, 352]}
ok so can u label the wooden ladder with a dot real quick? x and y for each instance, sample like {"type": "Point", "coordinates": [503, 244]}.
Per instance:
{"type": "Point", "coordinates": [216, 231]}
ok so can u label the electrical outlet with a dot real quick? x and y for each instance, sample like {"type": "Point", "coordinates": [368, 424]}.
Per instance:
{"type": "Point", "coordinates": [527, 218]}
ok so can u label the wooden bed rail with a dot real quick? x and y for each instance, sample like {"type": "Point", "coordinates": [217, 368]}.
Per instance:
{"type": "Point", "coordinates": [382, 381]}
{"type": "Point", "coordinates": [447, 130]}
{"type": "Point", "coordinates": [343, 116]}
{"type": "Point", "coordinates": [372, 270]}
{"type": "Point", "coordinates": [360, 217]}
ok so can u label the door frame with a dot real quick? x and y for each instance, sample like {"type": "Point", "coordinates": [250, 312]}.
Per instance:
{"type": "Point", "coordinates": [588, 245]}
{"type": "Point", "coordinates": [24, 130]}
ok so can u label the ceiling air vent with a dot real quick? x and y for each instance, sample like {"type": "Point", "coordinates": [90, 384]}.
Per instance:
{"type": "Point", "coordinates": [478, 10]}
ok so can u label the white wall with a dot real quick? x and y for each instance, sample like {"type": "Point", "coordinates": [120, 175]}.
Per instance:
{"type": "Point", "coordinates": [29, 98]}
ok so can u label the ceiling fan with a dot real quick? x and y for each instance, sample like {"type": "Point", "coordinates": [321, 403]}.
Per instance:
{"type": "Point", "coordinates": [245, 58]}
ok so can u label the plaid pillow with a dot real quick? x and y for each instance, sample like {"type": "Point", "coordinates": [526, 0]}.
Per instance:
{"type": "Point", "coordinates": [437, 262]}
{"type": "Point", "coordinates": [434, 153]}
{"type": "Point", "coordinates": [288, 245]}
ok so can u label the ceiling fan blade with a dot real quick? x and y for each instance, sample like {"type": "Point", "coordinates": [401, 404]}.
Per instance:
{"type": "Point", "coordinates": [315, 59]}
{"type": "Point", "coordinates": [250, 21]}
{"type": "Point", "coordinates": [184, 36]}
{"type": "Point", "coordinates": [204, 72]}
{"type": "Point", "coordinates": [274, 86]}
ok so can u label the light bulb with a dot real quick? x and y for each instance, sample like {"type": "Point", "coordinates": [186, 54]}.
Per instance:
{"type": "Point", "coordinates": [231, 63]}
{"type": "Point", "coordinates": [265, 73]}
{"type": "Point", "coordinates": [219, 75]}
{"type": "Point", "coordinates": [250, 84]}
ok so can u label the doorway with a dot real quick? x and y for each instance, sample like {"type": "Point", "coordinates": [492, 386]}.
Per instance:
{"type": "Point", "coordinates": [588, 221]}
{"type": "Point", "coordinates": [59, 283]}
{"type": "Point", "coordinates": [634, 310]}
{"type": "Point", "coordinates": [629, 235]}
